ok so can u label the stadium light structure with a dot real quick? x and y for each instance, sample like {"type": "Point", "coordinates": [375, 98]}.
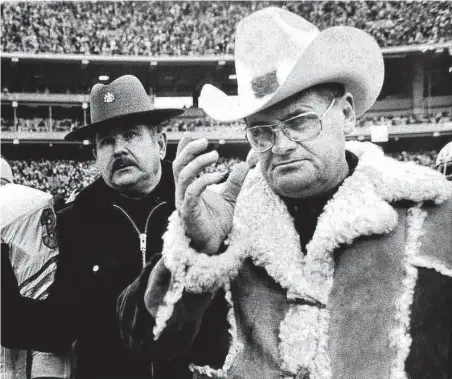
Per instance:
{"type": "Point", "coordinates": [84, 105]}
{"type": "Point", "coordinates": [104, 78]}
{"type": "Point", "coordinates": [15, 104]}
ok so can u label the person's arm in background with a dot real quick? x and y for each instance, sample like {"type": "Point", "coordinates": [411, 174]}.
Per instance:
{"type": "Point", "coordinates": [137, 309]}
{"type": "Point", "coordinates": [48, 325]}
{"type": "Point", "coordinates": [207, 220]}
{"type": "Point", "coordinates": [45, 365]}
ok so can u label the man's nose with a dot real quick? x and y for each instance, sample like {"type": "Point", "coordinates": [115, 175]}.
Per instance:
{"type": "Point", "coordinates": [282, 144]}
{"type": "Point", "coordinates": [119, 146]}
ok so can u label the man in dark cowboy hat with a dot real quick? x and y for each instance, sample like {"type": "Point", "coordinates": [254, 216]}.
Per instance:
{"type": "Point", "coordinates": [336, 260]}
{"type": "Point", "coordinates": [106, 236]}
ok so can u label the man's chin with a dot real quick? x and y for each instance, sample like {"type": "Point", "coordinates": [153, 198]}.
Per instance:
{"type": "Point", "coordinates": [293, 186]}
{"type": "Point", "coordinates": [123, 180]}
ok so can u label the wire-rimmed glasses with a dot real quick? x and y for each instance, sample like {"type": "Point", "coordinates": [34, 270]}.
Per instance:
{"type": "Point", "coordinates": [301, 128]}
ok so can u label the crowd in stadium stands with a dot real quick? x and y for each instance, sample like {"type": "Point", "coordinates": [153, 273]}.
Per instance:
{"type": "Point", "coordinates": [65, 125]}
{"type": "Point", "coordinates": [210, 125]}
{"type": "Point", "coordinates": [432, 118]}
{"type": "Point", "coordinates": [62, 177]}
{"type": "Point", "coordinates": [224, 164]}
{"type": "Point", "coordinates": [7, 124]}
{"type": "Point", "coordinates": [204, 125]}
{"type": "Point", "coordinates": [40, 124]}
{"type": "Point", "coordinates": [424, 158]}
{"type": "Point", "coordinates": [200, 28]}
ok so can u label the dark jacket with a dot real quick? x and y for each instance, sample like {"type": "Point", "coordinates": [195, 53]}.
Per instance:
{"type": "Point", "coordinates": [99, 256]}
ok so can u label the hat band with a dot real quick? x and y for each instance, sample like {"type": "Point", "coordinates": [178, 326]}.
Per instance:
{"type": "Point", "coordinates": [265, 84]}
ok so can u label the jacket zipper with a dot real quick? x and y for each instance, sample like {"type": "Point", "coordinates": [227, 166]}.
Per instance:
{"type": "Point", "coordinates": [141, 236]}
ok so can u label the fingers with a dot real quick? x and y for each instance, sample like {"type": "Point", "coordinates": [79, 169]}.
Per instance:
{"type": "Point", "coordinates": [195, 189]}
{"type": "Point", "coordinates": [234, 183]}
{"type": "Point", "coordinates": [187, 151]}
{"type": "Point", "coordinates": [183, 142]}
{"type": "Point", "coordinates": [252, 159]}
{"type": "Point", "coordinates": [191, 171]}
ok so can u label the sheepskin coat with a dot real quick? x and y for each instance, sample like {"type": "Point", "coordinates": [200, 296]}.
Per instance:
{"type": "Point", "coordinates": [370, 296]}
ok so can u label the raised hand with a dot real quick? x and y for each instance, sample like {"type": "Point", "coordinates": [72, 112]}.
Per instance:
{"type": "Point", "coordinates": [206, 214]}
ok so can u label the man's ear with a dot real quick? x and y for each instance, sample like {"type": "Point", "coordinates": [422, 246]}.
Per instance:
{"type": "Point", "coordinates": [162, 145]}
{"type": "Point", "coordinates": [349, 113]}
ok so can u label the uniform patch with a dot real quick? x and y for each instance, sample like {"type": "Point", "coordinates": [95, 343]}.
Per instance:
{"type": "Point", "coordinates": [48, 222]}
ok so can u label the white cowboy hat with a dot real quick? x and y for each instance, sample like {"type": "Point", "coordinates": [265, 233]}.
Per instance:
{"type": "Point", "coordinates": [278, 54]}
{"type": "Point", "coordinates": [5, 171]}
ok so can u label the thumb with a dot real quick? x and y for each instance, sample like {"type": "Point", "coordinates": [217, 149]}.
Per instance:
{"type": "Point", "coordinates": [235, 181]}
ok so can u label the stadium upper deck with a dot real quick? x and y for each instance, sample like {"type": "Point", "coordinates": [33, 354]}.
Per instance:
{"type": "Point", "coordinates": [53, 52]}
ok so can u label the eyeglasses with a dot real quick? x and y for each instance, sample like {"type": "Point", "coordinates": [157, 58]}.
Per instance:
{"type": "Point", "coordinates": [301, 128]}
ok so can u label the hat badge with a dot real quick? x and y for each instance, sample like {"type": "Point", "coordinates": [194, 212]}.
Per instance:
{"type": "Point", "coordinates": [109, 97]}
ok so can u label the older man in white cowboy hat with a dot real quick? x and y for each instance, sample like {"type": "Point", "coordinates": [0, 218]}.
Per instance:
{"type": "Point", "coordinates": [106, 236]}
{"type": "Point", "coordinates": [336, 261]}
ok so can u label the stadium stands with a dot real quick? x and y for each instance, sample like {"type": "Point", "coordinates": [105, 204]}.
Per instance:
{"type": "Point", "coordinates": [187, 28]}
{"type": "Point", "coordinates": [199, 28]}
{"type": "Point", "coordinates": [62, 177]}
{"type": "Point", "coordinates": [424, 158]}
{"type": "Point", "coordinates": [59, 177]}
{"type": "Point", "coordinates": [209, 125]}
{"type": "Point", "coordinates": [7, 124]}
{"type": "Point", "coordinates": [432, 118]}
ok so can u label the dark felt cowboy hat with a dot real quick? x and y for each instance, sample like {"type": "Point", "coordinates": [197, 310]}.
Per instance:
{"type": "Point", "coordinates": [124, 99]}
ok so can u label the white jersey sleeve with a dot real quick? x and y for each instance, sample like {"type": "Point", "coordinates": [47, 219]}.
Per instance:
{"type": "Point", "coordinates": [28, 227]}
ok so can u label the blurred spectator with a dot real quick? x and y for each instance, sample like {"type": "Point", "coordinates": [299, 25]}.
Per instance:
{"type": "Point", "coordinates": [7, 125]}
{"type": "Point", "coordinates": [198, 27]}
{"type": "Point", "coordinates": [32, 125]}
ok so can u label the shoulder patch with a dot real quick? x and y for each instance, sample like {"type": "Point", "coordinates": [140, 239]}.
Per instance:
{"type": "Point", "coordinates": [48, 222]}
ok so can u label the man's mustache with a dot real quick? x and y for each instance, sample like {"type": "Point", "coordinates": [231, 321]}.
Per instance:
{"type": "Point", "coordinates": [122, 162]}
